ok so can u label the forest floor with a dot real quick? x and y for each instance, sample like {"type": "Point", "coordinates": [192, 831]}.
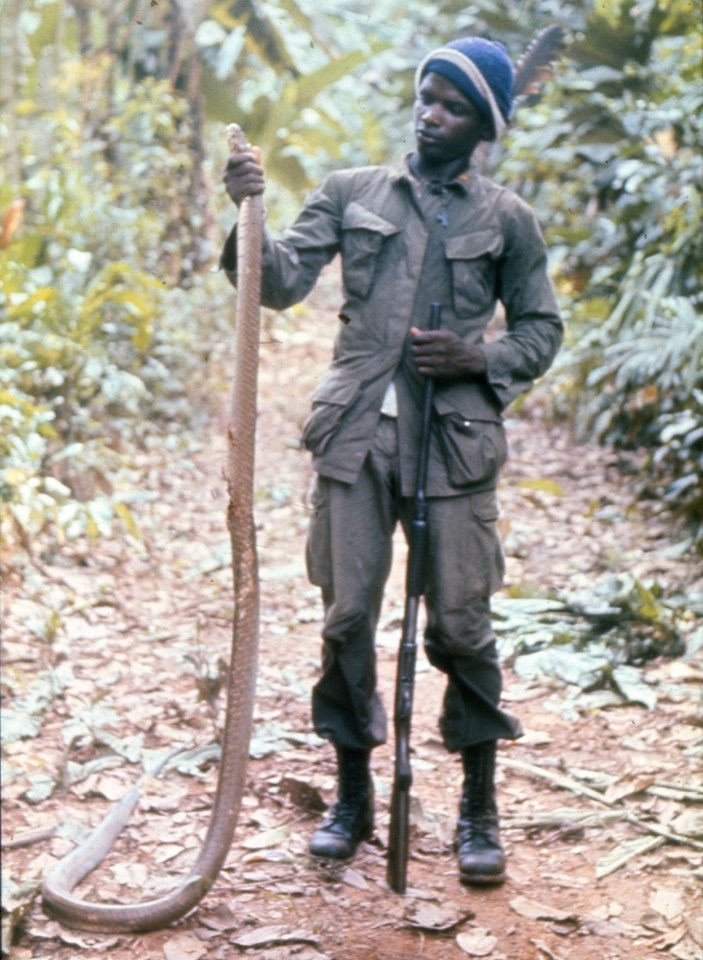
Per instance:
{"type": "Point", "coordinates": [113, 655]}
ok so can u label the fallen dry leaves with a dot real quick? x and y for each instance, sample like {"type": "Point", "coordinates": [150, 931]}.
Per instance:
{"type": "Point", "coordinates": [113, 660]}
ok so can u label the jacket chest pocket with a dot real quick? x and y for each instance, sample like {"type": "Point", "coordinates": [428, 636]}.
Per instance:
{"type": "Point", "coordinates": [363, 236]}
{"type": "Point", "coordinates": [473, 259]}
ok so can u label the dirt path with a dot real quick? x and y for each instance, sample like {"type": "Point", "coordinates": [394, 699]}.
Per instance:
{"type": "Point", "coordinates": [129, 664]}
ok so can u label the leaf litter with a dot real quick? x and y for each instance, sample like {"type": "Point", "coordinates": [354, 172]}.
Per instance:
{"type": "Point", "coordinates": [125, 667]}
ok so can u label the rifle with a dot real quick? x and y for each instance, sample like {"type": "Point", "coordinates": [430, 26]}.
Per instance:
{"type": "Point", "coordinates": [398, 839]}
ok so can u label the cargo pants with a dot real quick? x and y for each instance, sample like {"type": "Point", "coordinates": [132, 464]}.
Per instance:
{"type": "Point", "coordinates": [349, 555]}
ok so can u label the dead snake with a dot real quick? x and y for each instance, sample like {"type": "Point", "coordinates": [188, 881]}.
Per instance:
{"type": "Point", "coordinates": [57, 898]}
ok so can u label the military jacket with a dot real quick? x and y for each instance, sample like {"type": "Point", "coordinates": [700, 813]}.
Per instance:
{"type": "Point", "coordinates": [404, 245]}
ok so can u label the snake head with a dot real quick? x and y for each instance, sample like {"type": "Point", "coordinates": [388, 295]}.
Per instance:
{"type": "Point", "coordinates": [238, 142]}
{"type": "Point", "coordinates": [237, 138]}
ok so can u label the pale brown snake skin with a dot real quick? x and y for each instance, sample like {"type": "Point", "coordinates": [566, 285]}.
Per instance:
{"type": "Point", "coordinates": [58, 899]}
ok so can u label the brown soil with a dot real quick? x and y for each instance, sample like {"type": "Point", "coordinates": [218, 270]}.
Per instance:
{"type": "Point", "coordinates": [142, 625]}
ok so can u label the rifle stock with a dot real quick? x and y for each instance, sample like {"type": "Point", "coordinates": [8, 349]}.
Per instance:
{"type": "Point", "coordinates": [398, 840]}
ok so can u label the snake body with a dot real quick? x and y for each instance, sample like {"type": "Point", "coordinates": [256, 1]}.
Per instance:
{"type": "Point", "coordinates": [57, 897]}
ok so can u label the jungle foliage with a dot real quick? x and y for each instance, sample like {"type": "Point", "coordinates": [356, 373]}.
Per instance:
{"type": "Point", "coordinates": [612, 156]}
{"type": "Point", "coordinates": [111, 118]}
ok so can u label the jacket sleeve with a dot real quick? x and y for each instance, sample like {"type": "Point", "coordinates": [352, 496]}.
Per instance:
{"type": "Point", "coordinates": [534, 327]}
{"type": "Point", "coordinates": [292, 264]}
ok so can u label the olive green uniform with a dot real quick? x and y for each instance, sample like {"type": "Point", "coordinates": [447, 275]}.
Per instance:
{"type": "Point", "coordinates": [404, 245]}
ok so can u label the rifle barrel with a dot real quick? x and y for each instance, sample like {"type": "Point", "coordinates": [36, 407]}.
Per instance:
{"type": "Point", "coordinates": [398, 839]}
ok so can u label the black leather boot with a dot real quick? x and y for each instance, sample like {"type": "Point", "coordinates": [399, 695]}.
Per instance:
{"type": "Point", "coordinates": [350, 819]}
{"type": "Point", "coordinates": [480, 854]}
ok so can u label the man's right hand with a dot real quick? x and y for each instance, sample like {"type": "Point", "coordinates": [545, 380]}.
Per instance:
{"type": "Point", "coordinates": [244, 175]}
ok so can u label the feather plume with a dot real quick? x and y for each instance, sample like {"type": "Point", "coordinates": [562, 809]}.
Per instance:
{"type": "Point", "coordinates": [533, 66]}
{"type": "Point", "coordinates": [531, 73]}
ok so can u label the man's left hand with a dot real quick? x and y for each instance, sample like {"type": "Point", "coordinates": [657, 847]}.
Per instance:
{"type": "Point", "coordinates": [444, 355]}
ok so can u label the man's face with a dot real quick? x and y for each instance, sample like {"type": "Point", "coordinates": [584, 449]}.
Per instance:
{"type": "Point", "coordinates": [447, 124]}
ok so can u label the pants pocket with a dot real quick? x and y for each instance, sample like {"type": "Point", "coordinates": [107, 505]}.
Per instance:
{"type": "Point", "coordinates": [317, 548]}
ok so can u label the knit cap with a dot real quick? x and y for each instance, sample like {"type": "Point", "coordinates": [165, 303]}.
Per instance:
{"type": "Point", "coordinates": [482, 70]}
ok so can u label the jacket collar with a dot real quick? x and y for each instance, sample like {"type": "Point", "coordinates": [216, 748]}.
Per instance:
{"type": "Point", "coordinates": [402, 173]}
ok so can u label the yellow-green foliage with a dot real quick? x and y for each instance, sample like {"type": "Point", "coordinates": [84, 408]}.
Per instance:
{"type": "Point", "coordinates": [83, 281]}
{"type": "Point", "coordinates": [613, 161]}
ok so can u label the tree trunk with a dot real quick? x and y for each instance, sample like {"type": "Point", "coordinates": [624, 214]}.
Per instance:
{"type": "Point", "coordinates": [9, 73]}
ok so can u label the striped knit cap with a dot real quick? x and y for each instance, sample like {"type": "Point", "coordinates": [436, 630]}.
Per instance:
{"type": "Point", "coordinates": [482, 70]}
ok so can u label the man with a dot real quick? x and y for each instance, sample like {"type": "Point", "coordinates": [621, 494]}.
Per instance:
{"type": "Point", "coordinates": [428, 231]}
